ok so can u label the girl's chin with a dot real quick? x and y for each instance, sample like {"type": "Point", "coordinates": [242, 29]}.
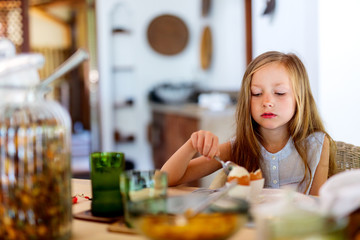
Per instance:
{"type": "Point", "coordinates": [273, 125]}
{"type": "Point", "coordinates": [268, 127]}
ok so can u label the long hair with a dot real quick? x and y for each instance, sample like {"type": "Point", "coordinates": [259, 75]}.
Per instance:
{"type": "Point", "coordinates": [306, 120]}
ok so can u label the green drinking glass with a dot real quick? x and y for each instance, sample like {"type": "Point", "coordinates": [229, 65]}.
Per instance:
{"type": "Point", "coordinates": [105, 170]}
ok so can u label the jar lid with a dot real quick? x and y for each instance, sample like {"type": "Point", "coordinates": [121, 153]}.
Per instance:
{"type": "Point", "coordinates": [7, 48]}
{"type": "Point", "coordinates": [18, 70]}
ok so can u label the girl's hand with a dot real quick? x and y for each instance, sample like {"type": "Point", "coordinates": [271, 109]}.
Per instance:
{"type": "Point", "coordinates": [206, 143]}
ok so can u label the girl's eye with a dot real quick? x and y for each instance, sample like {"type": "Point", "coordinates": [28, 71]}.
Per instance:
{"type": "Point", "coordinates": [255, 94]}
{"type": "Point", "coordinates": [280, 93]}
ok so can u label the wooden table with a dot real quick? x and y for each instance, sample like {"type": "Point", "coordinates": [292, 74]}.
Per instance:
{"type": "Point", "coordinates": [88, 230]}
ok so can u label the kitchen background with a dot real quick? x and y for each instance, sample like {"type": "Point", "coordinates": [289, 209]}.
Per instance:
{"type": "Point", "coordinates": [108, 97]}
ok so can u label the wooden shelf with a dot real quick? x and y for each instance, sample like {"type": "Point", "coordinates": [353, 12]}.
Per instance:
{"type": "Point", "coordinates": [119, 138]}
{"type": "Point", "coordinates": [120, 30]}
{"type": "Point", "coordinates": [125, 104]}
{"type": "Point", "coordinates": [122, 68]}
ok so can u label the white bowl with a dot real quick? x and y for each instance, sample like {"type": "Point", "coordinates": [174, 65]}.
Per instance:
{"type": "Point", "coordinates": [251, 192]}
{"type": "Point", "coordinates": [174, 94]}
{"type": "Point", "coordinates": [239, 191]}
{"type": "Point", "coordinates": [256, 188]}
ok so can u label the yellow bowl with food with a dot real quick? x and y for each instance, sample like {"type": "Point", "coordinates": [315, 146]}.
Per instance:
{"type": "Point", "coordinates": [205, 226]}
{"type": "Point", "coordinates": [220, 221]}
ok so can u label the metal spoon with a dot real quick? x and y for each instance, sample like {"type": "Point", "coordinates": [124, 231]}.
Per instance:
{"type": "Point", "coordinates": [78, 57]}
{"type": "Point", "coordinates": [227, 166]}
{"type": "Point", "coordinates": [216, 196]}
{"type": "Point", "coordinates": [182, 219]}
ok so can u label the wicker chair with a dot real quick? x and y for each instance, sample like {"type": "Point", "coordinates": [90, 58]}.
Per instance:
{"type": "Point", "coordinates": [347, 156]}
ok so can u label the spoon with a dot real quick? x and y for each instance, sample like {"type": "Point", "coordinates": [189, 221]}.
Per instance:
{"type": "Point", "coordinates": [227, 166]}
{"type": "Point", "coordinates": [78, 57]}
{"type": "Point", "coordinates": [182, 219]}
{"type": "Point", "coordinates": [204, 205]}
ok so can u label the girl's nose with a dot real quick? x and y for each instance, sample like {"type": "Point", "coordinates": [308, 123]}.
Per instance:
{"type": "Point", "coordinates": [268, 102]}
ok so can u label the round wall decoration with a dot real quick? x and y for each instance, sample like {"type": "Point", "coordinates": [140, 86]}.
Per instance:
{"type": "Point", "coordinates": [167, 34]}
{"type": "Point", "coordinates": [206, 48]}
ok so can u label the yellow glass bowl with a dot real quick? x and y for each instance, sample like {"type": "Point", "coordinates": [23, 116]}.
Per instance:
{"type": "Point", "coordinates": [204, 226]}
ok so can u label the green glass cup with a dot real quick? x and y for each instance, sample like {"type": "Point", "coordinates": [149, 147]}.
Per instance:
{"type": "Point", "coordinates": [105, 170]}
{"type": "Point", "coordinates": [143, 192]}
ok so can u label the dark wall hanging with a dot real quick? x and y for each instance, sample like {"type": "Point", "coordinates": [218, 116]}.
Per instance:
{"type": "Point", "coordinates": [168, 34]}
{"type": "Point", "coordinates": [205, 7]}
{"type": "Point", "coordinates": [206, 48]}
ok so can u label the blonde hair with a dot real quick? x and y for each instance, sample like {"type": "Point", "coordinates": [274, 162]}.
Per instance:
{"type": "Point", "coordinates": [306, 119]}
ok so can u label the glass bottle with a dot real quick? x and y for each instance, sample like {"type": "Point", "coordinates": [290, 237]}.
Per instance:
{"type": "Point", "coordinates": [35, 150]}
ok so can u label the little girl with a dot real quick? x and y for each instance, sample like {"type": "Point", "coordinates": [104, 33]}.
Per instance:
{"type": "Point", "coordinates": [278, 130]}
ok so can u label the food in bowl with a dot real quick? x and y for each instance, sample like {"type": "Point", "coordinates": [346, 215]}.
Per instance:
{"type": "Point", "coordinates": [204, 226]}
{"type": "Point", "coordinates": [249, 184]}
{"type": "Point", "coordinates": [240, 174]}
{"type": "Point", "coordinates": [257, 175]}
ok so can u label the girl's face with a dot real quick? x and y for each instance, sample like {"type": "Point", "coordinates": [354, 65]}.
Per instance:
{"type": "Point", "coordinates": [272, 97]}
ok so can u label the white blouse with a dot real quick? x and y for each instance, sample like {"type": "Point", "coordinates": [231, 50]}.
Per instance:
{"type": "Point", "coordinates": [286, 169]}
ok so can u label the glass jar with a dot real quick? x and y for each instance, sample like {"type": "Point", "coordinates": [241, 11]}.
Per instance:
{"type": "Point", "coordinates": [294, 216]}
{"type": "Point", "coordinates": [35, 150]}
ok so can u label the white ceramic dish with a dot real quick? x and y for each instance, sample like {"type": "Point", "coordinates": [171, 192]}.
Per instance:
{"type": "Point", "coordinates": [240, 191]}
{"type": "Point", "coordinates": [256, 188]}
{"type": "Point", "coordinates": [271, 196]}
{"type": "Point", "coordinates": [250, 193]}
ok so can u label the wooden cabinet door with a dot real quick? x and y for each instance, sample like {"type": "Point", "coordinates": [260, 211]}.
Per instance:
{"type": "Point", "coordinates": [168, 133]}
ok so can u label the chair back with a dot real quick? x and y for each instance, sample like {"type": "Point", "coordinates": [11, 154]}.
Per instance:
{"type": "Point", "coordinates": [347, 156]}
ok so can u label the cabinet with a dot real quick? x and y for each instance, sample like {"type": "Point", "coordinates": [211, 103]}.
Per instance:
{"type": "Point", "coordinates": [169, 132]}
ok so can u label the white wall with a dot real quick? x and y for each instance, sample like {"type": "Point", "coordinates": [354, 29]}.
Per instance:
{"type": "Point", "coordinates": [292, 28]}
{"type": "Point", "coordinates": [229, 52]}
{"type": "Point", "coordinates": [227, 21]}
{"type": "Point", "coordinates": [325, 35]}
{"type": "Point", "coordinates": [339, 51]}
{"type": "Point", "coordinates": [147, 69]}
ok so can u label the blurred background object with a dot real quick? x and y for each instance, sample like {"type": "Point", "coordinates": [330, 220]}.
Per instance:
{"type": "Point", "coordinates": [14, 23]}
{"type": "Point", "coordinates": [56, 28]}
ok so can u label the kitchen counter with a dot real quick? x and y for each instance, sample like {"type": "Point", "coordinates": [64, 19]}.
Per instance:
{"type": "Point", "coordinates": [192, 110]}
{"type": "Point", "coordinates": [89, 230]}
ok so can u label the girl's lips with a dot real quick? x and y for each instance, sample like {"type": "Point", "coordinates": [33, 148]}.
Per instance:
{"type": "Point", "coordinates": [268, 115]}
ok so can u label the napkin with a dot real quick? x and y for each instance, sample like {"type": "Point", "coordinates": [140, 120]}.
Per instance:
{"type": "Point", "coordinates": [340, 194]}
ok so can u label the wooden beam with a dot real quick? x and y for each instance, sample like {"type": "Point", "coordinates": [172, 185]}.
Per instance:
{"type": "Point", "coordinates": [55, 3]}
{"type": "Point", "coordinates": [25, 47]}
{"type": "Point", "coordinates": [248, 21]}
{"type": "Point", "coordinates": [48, 16]}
